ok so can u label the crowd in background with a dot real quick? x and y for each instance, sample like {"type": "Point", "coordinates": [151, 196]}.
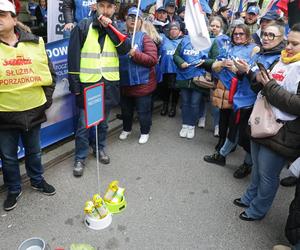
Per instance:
{"type": "Point", "coordinates": [253, 59]}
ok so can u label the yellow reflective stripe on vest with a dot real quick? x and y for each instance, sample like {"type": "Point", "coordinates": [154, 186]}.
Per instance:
{"type": "Point", "coordinates": [94, 64]}
{"type": "Point", "coordinates": [23, 72]}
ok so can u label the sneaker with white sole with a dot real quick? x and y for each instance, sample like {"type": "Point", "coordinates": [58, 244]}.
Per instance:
{"type": "Point", "coordinates": [144, 138]}
{"type": "Point", "coordinates": [216, 131]}
{"type": "Point", "coordinates": [124, 135]}
{"type": "Point", "coordinates": [201, 122]}
{"type": "Point", "coordinates": [190, 132]}
{"type": "Point", "coordinates": [11, 201]}
{"type": "Point", "coordinates": [183, 131]}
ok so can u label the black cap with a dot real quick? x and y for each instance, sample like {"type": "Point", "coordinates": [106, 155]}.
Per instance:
{"type": "Point", "coordinates": [170, 3]}
{"type": "Point", "coordinates": [161, 9]}
{"type": "Point", "coordinates": [181, 9]}
{"type": "Point", "coordinates": [224, 8]}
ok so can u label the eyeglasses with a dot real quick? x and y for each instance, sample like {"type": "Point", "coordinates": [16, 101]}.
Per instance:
{"type": "Point", "coordinates": [269, 35]}
{"type": "Point", "coordinates": [239, 34]}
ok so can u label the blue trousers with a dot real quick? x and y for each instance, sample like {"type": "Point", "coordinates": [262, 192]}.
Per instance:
{"type": "Point", "coordinates": [143, 107]}
{"type": "Point", "coordinates": [85, 137]}
{"type": "Point", "coordinates": [264, 183]}
{"type": "Point", "coordinates": [9, 140]}
{"type": "Point", "coordinates": [190, 106]}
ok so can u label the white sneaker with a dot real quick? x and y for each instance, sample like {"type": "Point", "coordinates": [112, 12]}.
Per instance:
{"type": "Point", "coordinates": [183, 131]}
{"type": "Point", "coordinates": [124, 135]}
{"type": "Point", "coordinates": [216, 132]}
{"type": "Point", "coordinates": [201, 122]}
{"type": "Point", "coordinates": [190, 132]}
{"type": "Point", "coordinates": [144, 138]}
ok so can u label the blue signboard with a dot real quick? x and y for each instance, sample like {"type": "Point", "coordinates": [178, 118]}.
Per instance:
{"type": "Point", "coordinates": [94, 105]}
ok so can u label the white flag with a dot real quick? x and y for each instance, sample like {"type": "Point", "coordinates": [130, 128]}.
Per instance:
{"type": "Point", "coordinates": [196, 25]}
{"type": "Point", "coordinates": [159, 3]}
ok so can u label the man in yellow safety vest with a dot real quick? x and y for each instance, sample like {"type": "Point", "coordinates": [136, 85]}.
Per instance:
{"type": "Point", "coordinates": [27, 83]}
{"type": "Point", "coordinates": [93, 58]}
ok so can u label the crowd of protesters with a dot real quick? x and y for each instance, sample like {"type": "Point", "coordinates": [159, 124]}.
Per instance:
{"type": "Point", "coordinates": [253, 60]}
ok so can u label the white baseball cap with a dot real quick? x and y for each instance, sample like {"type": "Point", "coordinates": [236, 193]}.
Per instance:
{"type": "Point", "coordinates": [6, 5]}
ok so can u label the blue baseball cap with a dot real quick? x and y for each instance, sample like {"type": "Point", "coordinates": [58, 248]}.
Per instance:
{"type": "Point", "coordinates": [271, 15]}
{"type": "Point", "coordinates": [253, 9]}
{"type": "Point", "coordinates": [160, 9]}
{"type": "Point", "coordinates": [133, 11]}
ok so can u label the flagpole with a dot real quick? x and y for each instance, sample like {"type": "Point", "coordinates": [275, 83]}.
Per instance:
{"type": "Point", "coordinates": [135, 23]}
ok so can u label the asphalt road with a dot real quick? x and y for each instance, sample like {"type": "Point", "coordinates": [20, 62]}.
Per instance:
{"type": "Point", "coordinates": [175, 199]}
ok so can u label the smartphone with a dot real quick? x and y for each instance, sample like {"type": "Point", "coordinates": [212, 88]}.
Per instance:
{"type": "Point", "coordinates": [262, 68]}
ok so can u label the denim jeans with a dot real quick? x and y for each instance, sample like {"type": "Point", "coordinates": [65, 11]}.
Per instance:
{"type": "Point", "coordinates": [83, 137]}
{"type": "Point", "coordinates": [9, 155]}
{"type": "Point", "coordinates": [264, 183]}
{"type": "Point", "coordinates": [143, 107]}
{"type": "Point", "coordinates": [228, 147]}
{"type": "Point", "coordinates": [190, 106]}
{"type": "Point", "coordinates": [214, 111]}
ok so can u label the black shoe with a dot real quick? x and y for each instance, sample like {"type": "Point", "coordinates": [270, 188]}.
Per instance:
{"type": "Point", "coordinates": [103, 157]}
{"type": "Point", "coordinates": [216, 158]}
{"type": "Point", "coordinates": [289, 181]}
{"type": "Point", "coordinates": [239, 203]}
{"type": "Point", "coordinates": [44, 187]}
{"type": "Point", "coordinates": [119, 116]}
{"type": "Point", "coordinates": [11, 201]}
{"type": "Point", "coordinates": [245, 217]}
{"type": "Point", "coordinates": [164, 109]}
{"type": "Point", "coordinates": [242, 171]}
{"type": "Point", "coordinates": [78, 168]}
{"type": "Point", "coordinates": [172, 112]}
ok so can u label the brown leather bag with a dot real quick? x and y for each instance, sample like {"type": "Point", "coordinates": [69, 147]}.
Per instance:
{"type": "Point", "coordinates": [202, 82]}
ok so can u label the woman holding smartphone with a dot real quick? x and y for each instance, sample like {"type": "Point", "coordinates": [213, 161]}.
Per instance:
{"type": "Point", "coordinates": [269, 155]}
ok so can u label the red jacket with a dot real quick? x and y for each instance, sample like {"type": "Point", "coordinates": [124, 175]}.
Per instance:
{"type": "Point", "coordinates": [149, 59]}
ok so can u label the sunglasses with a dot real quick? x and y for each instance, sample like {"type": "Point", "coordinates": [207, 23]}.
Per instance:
{"type": "Point", "coordinates": [269, 35]}
{"type": "Point", "coordinates": [239, 34]}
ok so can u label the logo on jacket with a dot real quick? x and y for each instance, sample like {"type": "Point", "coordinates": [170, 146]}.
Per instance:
{"type": "Point", "coordinates": [279, 75]}
{"type": "Point", "coordinates": [190, 52]}
{"type": "Point", "coordinates": [20, 60]}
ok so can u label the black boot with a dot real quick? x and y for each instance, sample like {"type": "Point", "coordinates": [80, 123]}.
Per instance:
{"type": "Point", "coordinates": [289, 181]}
{"type": "Point", "coordinates": [242, 171]}
{"type": "Point", "coordinates": [216, 158]}
{"type": "Point", "coordinates": [172, 111]}
{"type": "Point", "coordinates": [164, 110]}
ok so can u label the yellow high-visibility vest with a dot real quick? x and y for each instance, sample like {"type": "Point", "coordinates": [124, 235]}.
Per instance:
{"type": "Point", "coordinates": [94, 64]}
{"type": "Point", "coordinates": [23, 72]}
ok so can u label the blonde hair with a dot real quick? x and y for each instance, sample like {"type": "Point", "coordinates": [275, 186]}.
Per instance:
{"type": "Point", "coordinates": [150, 30]}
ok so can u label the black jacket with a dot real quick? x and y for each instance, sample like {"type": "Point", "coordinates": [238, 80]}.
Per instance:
{"type": "Point", "coordinates": [25, 120]}
{"type": "Point", "coordinates": [292, 228]}
{"type": "Point", "coordinates": [77, 39]}
{"type": "Point", "coordinates": [68, 8]}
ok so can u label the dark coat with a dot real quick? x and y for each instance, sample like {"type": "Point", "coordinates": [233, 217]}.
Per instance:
{"type": "Point", "coordinates": [68, 8]}
{"type": "Point", "coordinates": [292, 228]}
{"type": "Point", "coordinates": [25, 120]}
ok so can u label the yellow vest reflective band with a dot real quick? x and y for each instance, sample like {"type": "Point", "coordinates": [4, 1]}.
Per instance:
{"type": "Point", "coordinates": [94, 64]}
{"type": "Point", "coordinates": [23, 72]}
